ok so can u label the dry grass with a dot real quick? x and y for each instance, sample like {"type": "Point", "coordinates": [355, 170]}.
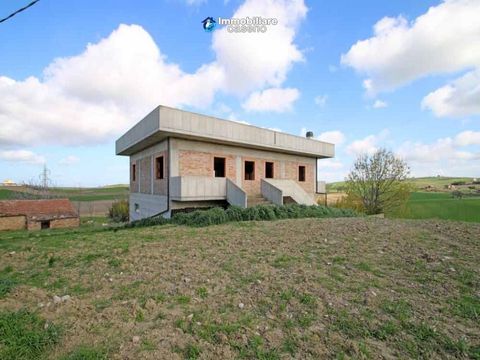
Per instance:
{"type": "Point", "coordinates": [330, 288]}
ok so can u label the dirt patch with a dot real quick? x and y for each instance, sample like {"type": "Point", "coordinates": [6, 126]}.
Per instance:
{"type": "Point", "coordinates": [356, 287]}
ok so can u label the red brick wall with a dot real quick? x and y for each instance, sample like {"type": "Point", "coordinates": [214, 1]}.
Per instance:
{"type": "Point", "coordinates": [291, 172]}
{"type": "Point", "coordinates": [201, 164]}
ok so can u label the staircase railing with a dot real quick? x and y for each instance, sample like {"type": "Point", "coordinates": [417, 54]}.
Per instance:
{"type": "Point", "coordinates": [271, 192]}
{"type": "Point", "coordinates": [236, 195]}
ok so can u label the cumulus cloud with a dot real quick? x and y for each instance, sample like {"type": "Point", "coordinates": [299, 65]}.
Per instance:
{"type": "Point", "coordinates": [96, 95]}
{"type": "Point", "coordinates": [335, 137]}
{"type": "Point", "coordinates": [379, 104]}
{"type": "Point", "coordinates": [257, 60]}
{"type": "Point", "coordinates": [274, 99]}
{"type": "Point", "coordinates": [440, 150]}
{"type": "Point", "coordinates": [459, 98]}
{"type": "Point", "coordinates": [467, 138]}
{"type": "Point", "coordinates": [368, 145]}
{"type": "Point", "coordinates": [24, 156]}
{"type": "Point", "coordinates": [446, 39]}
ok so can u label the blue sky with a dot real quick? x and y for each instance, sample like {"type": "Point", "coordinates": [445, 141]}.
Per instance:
{"type": "Point", "coordinates": [399, 74]}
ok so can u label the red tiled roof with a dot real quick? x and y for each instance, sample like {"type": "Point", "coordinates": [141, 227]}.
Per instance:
{"type": "Point", "coordinates": [42, 209]}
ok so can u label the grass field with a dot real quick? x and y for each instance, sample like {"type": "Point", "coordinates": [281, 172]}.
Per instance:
{"type": "Point", "coordinates": [430, 205]}
{"type": "Point", "coordinates": [93, 194]}
{"type": "Point", "coordinates": [359, 288]}
{"type": "Point", "coordinates": [5, 194]}
{"type": "Point", "coordinates": [115, 192]}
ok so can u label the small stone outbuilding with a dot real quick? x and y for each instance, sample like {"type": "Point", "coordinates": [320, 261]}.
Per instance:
{"type": "Point", "coordinates": [37, 214]}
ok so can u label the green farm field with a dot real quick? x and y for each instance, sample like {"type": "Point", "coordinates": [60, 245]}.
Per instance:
{"type": "Point", "coordinates": [433, 205]}
{"type": "Point", "coordinates": [114, 192]}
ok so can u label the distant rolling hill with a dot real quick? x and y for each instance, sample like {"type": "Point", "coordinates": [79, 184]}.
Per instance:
{"type": "Point", "coordinates": [419, 183]}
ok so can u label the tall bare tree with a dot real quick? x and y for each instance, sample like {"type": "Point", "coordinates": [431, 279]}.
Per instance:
{"type": "Point", "coordinates": [378, 183]}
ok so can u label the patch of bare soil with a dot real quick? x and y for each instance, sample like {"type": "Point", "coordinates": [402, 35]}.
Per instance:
{"type": "Point", "coordinates": [309, 288]}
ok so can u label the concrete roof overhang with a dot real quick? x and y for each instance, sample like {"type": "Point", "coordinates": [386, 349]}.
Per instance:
{"type": "Point", "coordinates": [164, 122]}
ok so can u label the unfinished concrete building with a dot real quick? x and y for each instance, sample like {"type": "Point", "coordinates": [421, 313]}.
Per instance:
{"type": "Point", "coordinates": [182, 160]}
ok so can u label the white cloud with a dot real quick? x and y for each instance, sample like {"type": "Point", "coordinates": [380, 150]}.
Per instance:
{"type": "Point", "coordinates": [25, 156]}
{"type": "Point", "coordinates": [468, 137]}
{"type": "Point", "coordinates": [335, 137]}
{"type": "Point", "coordinates": [256, 60]}
{"type": "Point", "coordinates": [459, 98]}
{"type": "Point", "coordinates": [69, 160]}
{"type": "Point", "coordinates": [321, 100]}
{"type": "Point", "coordinates": [367, 145]}
{"type": "Point", "coordinates": [379, 104]}
{"type": "Point", "coordinates": [274, 99]}
{"type": "Point", "coordinates": [438, 151]}
{"type": "Point", "coordinates": [446, 39]}
{"type": "Point", "coordinates": [96, 95]}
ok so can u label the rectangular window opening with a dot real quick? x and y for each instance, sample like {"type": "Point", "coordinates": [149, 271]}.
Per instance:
{"type": "Point", "coordinates": [45, 224]}
{"type": "Point", "coordinates": [159, 167]}
{"type": "Point", "coordinates": [134, 172]}
{"type": "Point", "coordinates": [269, 170]}
{"type": "Point", "coordinates": [301, 173]}
{"type": "Point", "coordinates": [219, 166]}
{"type": "Point", "coordinates": [249, 170]}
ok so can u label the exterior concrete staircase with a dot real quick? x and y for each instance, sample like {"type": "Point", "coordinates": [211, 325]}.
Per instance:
{"type": "Point", "coordinates": [257, 200]}
{"type": "Point", "coordinates": [286, 190]}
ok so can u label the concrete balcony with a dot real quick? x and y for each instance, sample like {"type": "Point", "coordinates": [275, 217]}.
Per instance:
{"type": "Point", "coordinates": [197, 188]}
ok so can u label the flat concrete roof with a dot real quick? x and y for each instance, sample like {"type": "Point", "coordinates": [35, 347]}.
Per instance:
{"type": "Point", "coordinates": [165, 122]}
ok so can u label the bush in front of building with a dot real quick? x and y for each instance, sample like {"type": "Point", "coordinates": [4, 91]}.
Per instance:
{"type": "Point", "coordinates": [152, 221]}
{"type": "Point", "coordinates": [118, 212]}
{"type": "Point", "coordinates": [217, 216]}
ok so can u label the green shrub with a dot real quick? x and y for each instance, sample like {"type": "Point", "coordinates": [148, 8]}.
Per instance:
{"type": "Point", "coordinates": [119, 211]}
{"type": "Point", "coordinates": [234, 213]}
{"type": "Point", "coordinates": [213, 216]}
{"type": "Point", "coordinates": [250, 214]}
{"type": "Point", "coordinates": [217, 215]}
{"type": "Point", "coordinates": [258, 213]}
{"type": "Point", "coordinates": [157, 220]}
{"type": "Point", "coordinates": [266, 212]}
